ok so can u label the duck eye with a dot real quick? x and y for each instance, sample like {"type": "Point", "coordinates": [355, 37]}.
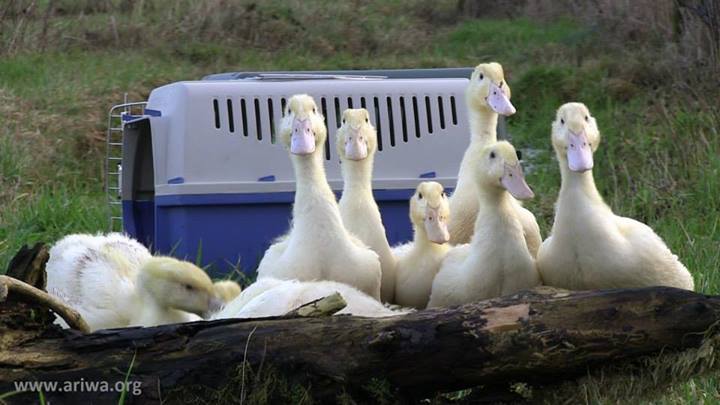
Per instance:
{"type": "Point", "coordinates": [367, 119]}
{"type": "Point", "coordinates": [419, 196]}
{"type": "Point", "coordinates": [587, 118]}
{"type": "Point", "coordinates": [314, 110]}
{"type": "Point", "coordinates": [562, 121]}
{"type": "Point", "coordinates": [343, 121]}
{"type": "Point", "coordinates": [481, 76]}
{"type": "Point", "coordinates": [189, 287]}
{"type": "Point", "coordinates": [492, 155]}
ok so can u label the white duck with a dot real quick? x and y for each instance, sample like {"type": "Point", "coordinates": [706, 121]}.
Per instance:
{"type": "Point", "coordinates": [497, 261]}
{"type": "Point", "coordinates": [487, 95]}
{"type": "Point", "coordinates": [274, 297]}
{"type": "Point", "coordinates": [356, 142]}
{"type": "Point", "coordinates": [318, 247]}
{"type": "Point", "coordinates": [113, 282]}
{"type": "Point", "coordinates": [419, 261]}
{"type": "Point", "coordinates": [590, 247]}
{"type": "Point", "coordinates": [227, 290]}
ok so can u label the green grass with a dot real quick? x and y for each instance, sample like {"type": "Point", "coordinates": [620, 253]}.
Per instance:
{"type": "Point", "coordinates": [659, 160]}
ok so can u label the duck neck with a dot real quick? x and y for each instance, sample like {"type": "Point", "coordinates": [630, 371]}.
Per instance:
{"type": "Point", "coordinates": [483, 125]}
{"type": "Point", "coordinates": [357, 178]}
{"type": "Point", "coordinates": [577, 182]}
{"type": "Point", "coordinates": [494, 200]}
{"type": "Point", "coordinates": [310, 180]}
{"type": "Point", "coordinates": [315, 205]}
{"type": "Point", "coordinates": [421, 242]}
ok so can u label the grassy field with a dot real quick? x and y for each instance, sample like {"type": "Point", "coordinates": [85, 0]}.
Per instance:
{"type": "Point", "coordinates": [659, 160]}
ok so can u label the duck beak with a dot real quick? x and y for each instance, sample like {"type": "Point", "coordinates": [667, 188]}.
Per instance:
{"type": "Point", "coordinates": [499, 101]}
{"type": "Point", "coordinates": [436, 229]}
{"type": "Point", "coordinates": [302, 141]}
{"type": "Point", "coordinates": [355, 146]}
{"type": "Point", "coordinates": [215, 305]}
{"type": "Point", "coordinates": [579, 152]}
{"type": "Point", "coordinates": [514, 182]}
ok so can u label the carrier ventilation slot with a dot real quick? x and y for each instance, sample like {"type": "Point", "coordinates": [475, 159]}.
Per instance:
{"type": "Point", "coordinates": [441, 110]}
{"type": "Point", "coordinates": [378, 123]}
{"type": "Point", "coordinates": [216, 109]}
{"type": "Point", "coordinates": [323, 110]}
{"type": "Point", "coordinates": [428, 114]}
{"type": "Point", "coordinates": [338, 120]}
{"type": "Point", "coordinates": [327, 139]}
{"type": "Point", "coordinates": [243, 112]}
{"type": "Point", "coordinates": [258, 126]}
{"type": "Point", "coordinates": [327, 147]}
{"type": "Point", "coordinates": [454, 111]}
{"type": "Point", "coordinates": [391, 123]}
{"type": "Point", "coordinates": [271, 116]}
{"type": "Point", "coordinates": [403, 119]}
{"type": "Point", "coordinates": [231, 119]}
{"type": "Point", "coordinates": [416, 117]}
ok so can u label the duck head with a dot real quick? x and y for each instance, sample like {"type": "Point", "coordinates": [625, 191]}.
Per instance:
{"type": "Point", "coordinates": [356, 138]}
{"type": "Point", "coordinates": [500, 169]}
{"type": "Point", "coordinates": [430, 210]}
{"type": "Point", "coordinates": [179, 285]}
{"type": "Point", "coordinates": [575, 136]}
{"type": "Point", "coordinates": [489, 90]}
{"type": "Point", "coordinates": [302, 129]}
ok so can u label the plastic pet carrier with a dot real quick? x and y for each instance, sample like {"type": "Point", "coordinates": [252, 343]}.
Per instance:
{"type": "Point", "coordinates": [196, 172]}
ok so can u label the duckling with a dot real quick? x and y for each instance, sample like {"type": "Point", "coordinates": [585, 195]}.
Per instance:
{"type": "Point", "coordinates": [487, 95]}
{"type": "Point", "coordinates": [227, 290]}
{"type": "Point", "coordinates": [356, 146]}
{"type": "Point", "coordinates": [419, 260]}
{"type": "Point", "coordinates": [590, 247]}
{"type": "Point", "coordinates": [273, 297]}
{"type": "Point", "coordinates": [112, 288]}
{"type": "Point", "coordinates": [497, 260]}
{"type": "Point", "coordinates": [318, 247]}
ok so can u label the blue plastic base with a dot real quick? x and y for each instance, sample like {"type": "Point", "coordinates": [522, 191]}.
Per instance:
{"type": "Point", "coordinates": [228, 231]}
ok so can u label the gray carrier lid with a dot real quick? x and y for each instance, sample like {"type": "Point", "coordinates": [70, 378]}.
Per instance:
{"type": "Point", "coordinates": [441, 73]}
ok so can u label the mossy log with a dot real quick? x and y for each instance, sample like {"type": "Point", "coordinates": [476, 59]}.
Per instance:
{"type": "Point", "coordinates": [537, 337]}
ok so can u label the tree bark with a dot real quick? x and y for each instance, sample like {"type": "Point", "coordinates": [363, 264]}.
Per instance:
{"type": "Point", "coordinates": [538, 337]}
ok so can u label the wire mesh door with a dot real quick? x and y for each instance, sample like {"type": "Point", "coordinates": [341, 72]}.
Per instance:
{"type": "Point", "coordinates": [118, 115]}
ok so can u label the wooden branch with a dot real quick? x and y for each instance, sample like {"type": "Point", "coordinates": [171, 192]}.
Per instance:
{"type": "Point", "coordinates": [539, 337]}
{"type": "Point", "coordinates": [34, 295]}
{"type": "Point", "coordinates": [325, 306]}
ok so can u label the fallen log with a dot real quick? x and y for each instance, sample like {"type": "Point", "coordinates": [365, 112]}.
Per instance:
{"type": "Point", "coordinates": [536, 337]}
